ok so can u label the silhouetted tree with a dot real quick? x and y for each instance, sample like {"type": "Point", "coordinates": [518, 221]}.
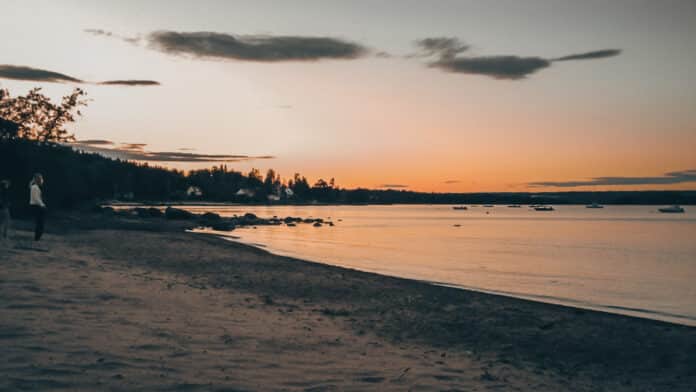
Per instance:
{"type": "Point", "coordinates": [38, 118]}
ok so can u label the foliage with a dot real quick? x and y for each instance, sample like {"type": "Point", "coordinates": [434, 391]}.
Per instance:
{"type": "Point", "coordinates": [38, 118]}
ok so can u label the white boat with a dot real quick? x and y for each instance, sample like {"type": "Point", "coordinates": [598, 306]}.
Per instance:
{"type": "Point", "coordinates": [672, 209]}
{"type": "Point", "coordinates": [544, 208]}
{"type": "Point", "coordinates": [594, 205]}
{"type": "Point", "coordinates": [460, 208]}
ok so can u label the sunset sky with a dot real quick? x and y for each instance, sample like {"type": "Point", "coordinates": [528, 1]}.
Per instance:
{"type": "Point", "coordinates": [457, 96]}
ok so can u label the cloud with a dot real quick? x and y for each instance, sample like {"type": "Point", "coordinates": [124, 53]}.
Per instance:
{"type": "Point", "coordinates": [20, 72]}
{"type": "Point", "coordinates": [676, 177]}
{"type": "Point", "coordinates": [95, 142]}
{"type": "Point", "coordinates": [392, 186]}
{"type": "Point", "coordinates": [598, 54]}
{"type": "Point", "coordinates": [447, 52]}
{"type": "Point", "coordinates": [498, 67]}
{"type": "Point", "coordinates": [446, 47]}
{"type": "Point", "coordinates": [262, 48]}
{"type": "Point", "coordinates": [136, 152]}
{"type": "Point", "coordinates": [131, 82]}
{"type": "Point", "coordinates": [452, 182]}
{"type": "Point", "coordinates": [133, 146]}
{"type": "Point", "coordinates": [104, 33]}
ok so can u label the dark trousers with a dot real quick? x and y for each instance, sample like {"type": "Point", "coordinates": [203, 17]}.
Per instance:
{"type": "Point", "coordinates": [39, 218]}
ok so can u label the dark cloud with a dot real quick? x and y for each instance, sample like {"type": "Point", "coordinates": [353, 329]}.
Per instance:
{"type": "Point", "coordinates": [20, 72]}
{"type": "Point", "coordinates": [677, 177]}
{"type": "Point", "coordinates": [136, 152]}
{"type": "Point", "coordinates": [131, 82]}
{"type": "Point", "coordinates": [392, 186]}
{"type": "Point", "coordinates": [447, 52]}
{"type": "Point", "coordinates": [452, 182]}
{"type": "Point", "coordinates": [445, 47]}
{"type": "Point", "coordinates": [598, 54]}
{"type": "Point", "coordinates": [264, 48]}
{"type": "Point", "coordinates": [498, 67]}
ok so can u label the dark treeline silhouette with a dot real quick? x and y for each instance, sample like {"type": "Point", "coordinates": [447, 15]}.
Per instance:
{"type": "Point", "coordinates": [33, 133]}
{"type": "Point", "coordinates": [76, 178]}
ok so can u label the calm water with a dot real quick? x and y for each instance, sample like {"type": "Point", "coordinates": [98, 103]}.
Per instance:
{"type": "Point", "coordinates": [623, 259]}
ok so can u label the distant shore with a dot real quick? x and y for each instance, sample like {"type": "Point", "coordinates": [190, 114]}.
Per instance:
{"type": "Point", "coordinates": [112, 302]}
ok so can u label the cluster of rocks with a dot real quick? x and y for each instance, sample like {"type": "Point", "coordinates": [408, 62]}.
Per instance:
{"type": "Point", "coordinates": [213, 220]}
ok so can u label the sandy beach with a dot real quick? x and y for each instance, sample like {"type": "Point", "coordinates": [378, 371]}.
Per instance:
{"type": "Point", "coordinates": [120, 304]}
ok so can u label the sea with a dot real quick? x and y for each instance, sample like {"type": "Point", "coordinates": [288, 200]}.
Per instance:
{"type": "Point", "coordinates": [630, 260]}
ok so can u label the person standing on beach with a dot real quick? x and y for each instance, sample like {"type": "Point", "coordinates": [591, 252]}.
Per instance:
{"type": "Point", "coordinates": [37, 204]}
{"type": "Point", "coordinates": [4, 209]}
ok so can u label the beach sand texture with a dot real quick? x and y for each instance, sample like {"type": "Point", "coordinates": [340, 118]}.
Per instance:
{"type": "Point", "coordinates": [144, 306]}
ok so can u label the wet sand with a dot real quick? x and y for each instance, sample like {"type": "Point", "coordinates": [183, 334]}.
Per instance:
{"type": "Point", "coordinates": [125, 304]}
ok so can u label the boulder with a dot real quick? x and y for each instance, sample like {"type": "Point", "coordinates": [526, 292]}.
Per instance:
{"type": "Point", "coordinates": [155, 212]}
{"type": "Point", "coordinates": [223, 226]}
{"type": "Point", "coordinates": [177, 213]}
{"type": "Point", "coordinates": [142, 212]}
{"type": "Point", "coordinates": [210, 216]}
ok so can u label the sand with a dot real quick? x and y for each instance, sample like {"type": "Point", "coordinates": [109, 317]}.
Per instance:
{"type": "Point", "coordinates": [122, 304]}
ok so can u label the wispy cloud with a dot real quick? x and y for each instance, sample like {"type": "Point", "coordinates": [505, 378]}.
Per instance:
{"type": "Point", "coordinates": [25, 73]}
{"type": "Point", "coordinates": [131, 82]}
{"type": "Point", "coordinates": [452, 181]}
{"type": "Point", "coordinates": [498, 67]}
{"type": "Point", "coordinates": [253, 47]}
{"type": "Point", "coordinates": [104, 33]}
{"type": "Point", "coordinates": [448, 57]}
{"type": "Point", "coordinates": [96, 142]}
{"type": "Point", "coordinates": [260, 48]}
{"type": "Point", "coordinates": [137, 152]}
{"type": "Point", "coordinates": [597, 54]}
{"type": "Point", "coordinates": [447, 47]}
{"type": "Point", "coordinates": [20, 72]}
{"type": "Point", "coordinates": [676, 177]}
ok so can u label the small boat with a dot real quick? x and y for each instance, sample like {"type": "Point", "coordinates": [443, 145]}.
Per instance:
{"type": "Point", "coordinates": [488, 205]}
{"type": "Point", "coordinates": [594, 205]}
{"type": "Point", "coordinates": [543, 208]}
{"type": "Point", "coordinates": [672, 209]}
{"type": "Point", "coordinates": [460, 208]}
{"type": "Point", "coordinates": [514, 206]}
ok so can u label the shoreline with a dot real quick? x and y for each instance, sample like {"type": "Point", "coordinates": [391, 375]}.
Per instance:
{"type": "Point", "coordinates": [570, 304]}
{"type": "Point", "coordinates": [447, 338]}
{"type": "Point", "coordinates": [646, 314]}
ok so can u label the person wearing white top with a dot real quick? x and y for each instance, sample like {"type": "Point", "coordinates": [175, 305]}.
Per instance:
{"type": "Point", "coordinates": [37, 205]}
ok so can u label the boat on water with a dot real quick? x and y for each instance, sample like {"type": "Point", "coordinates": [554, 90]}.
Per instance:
{"type": "Point", "coordinates": [594, 205]}
{"type": "Point", "coordinates": [672, 209]}
{"type": "Point", "coordinates": [543, 208]}
{"type": "Point", "coordinates": [460, 208]}
{"type": "Point", "coordinates": [514, 206]}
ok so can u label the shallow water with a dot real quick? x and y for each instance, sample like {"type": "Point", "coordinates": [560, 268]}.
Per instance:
{"type": "Point", "coordinates": [622, 259]}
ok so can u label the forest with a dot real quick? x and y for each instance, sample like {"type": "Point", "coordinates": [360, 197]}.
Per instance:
{"type": "Point", "coordinates": [34, 138]}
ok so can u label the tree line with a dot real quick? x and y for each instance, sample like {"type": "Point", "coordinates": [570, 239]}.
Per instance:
{"type": "Point", "coordinates": [33, 130]}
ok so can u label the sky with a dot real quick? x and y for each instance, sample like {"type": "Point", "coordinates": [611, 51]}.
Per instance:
{"type": "Point", "coordinates": [445, 96]}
